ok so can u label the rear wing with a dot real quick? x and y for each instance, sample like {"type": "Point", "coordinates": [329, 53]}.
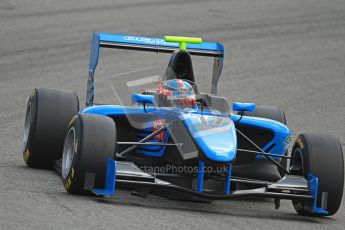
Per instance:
{"type": "Point", "coordinates": [150, 44]}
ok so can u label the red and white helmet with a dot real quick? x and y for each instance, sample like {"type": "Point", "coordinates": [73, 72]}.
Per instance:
{"type": "Point", "coordinates": [178, 92]}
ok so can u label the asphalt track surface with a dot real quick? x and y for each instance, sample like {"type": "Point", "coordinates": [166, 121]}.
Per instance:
{"type": "Point", "coordinates": [283, 53]}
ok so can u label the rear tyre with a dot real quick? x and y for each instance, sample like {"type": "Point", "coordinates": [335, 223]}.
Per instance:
{"type": "Point", "coordinates": [269, 112]}
{"type": "Point", "coordinates": [47, 116]}
{"type": "Point", "coordinates": [322, 156]}
{"type": "Point", "coordinates": [89, 141]}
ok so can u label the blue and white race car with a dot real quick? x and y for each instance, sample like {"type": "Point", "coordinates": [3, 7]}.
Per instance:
{"type": "Point", "coordinates": [178, 142]}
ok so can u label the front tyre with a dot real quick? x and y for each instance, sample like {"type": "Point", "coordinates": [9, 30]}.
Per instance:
{"type": "Point", "coordinates": [320, 155]}
{"type": "Point", "coordinates": [89, 141]}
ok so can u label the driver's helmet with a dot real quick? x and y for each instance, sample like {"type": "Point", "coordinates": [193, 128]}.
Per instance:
{"type": "Point", "coordinates": [178, 92]}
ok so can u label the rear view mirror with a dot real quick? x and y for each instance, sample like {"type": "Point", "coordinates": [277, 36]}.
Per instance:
{"type": "Point", "coordinates": [241, 107]}
{"type": "Point", "coordinates": [141, 98]}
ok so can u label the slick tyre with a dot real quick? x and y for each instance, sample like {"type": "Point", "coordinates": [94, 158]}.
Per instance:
{"type": "Point", "coordinates": [89, 141]}
{"type": "Point", "coordinates": [322, 156]}
{"type": "Point", "coordinates": [48, 113]}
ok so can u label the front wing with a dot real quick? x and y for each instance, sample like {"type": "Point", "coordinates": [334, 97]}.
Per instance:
{"type": "Point", "coordinates": [289, 187]}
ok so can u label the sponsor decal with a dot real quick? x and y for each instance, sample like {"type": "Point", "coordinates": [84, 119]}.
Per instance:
{"type": "Point", "coordinates": [26, 155]}
{"type": "Point", "coordinates": [68, 183]}
{"type": "Point", "coordinates": [69, 180]}
{"type": "Point", "coordinates": [73, 120]}
{"type": "Point", "coordinates": [151, 41]}
{"type": "Point", "coordinates": [142, 39]}
{"type": "Point", "coordinates": [157, 124]}
{"type": "Point", "coordinates": [300, 143]}
{"type": "Point", "coordinates": [288, 139]}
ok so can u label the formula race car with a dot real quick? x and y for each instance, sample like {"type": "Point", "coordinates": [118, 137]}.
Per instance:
{"type": "Point", "coordinates": [176, 141]}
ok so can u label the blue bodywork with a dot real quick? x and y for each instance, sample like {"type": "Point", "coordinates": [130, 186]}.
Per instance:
{"type": "Point", "coordinates": [110, 181]}
{"type": "Point", "coordinates": [213, 132]}
{"type": "Point", "coordinates": [218, 143]}
{"type": "Point", "coordinates": [313, 182]}
{"type": "Point", "coordinates": [140, 98]}
{"type": "Point", "coordinates": [241, 107]}
{"type": "Point", "coordinates": [281, 133]}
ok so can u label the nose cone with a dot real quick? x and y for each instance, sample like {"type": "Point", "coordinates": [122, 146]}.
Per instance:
{"type": "Point", "coordinates": [215, 136]}
{"type": "Point", "coordinates": [219, 145]}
